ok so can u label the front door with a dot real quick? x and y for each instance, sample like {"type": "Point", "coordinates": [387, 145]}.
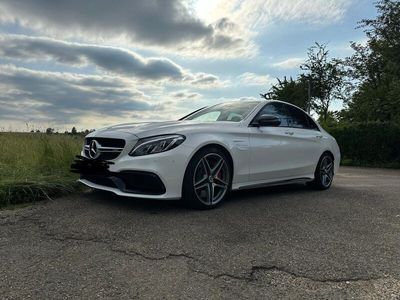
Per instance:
{"type": "Point", "coordinates": [272, 148]}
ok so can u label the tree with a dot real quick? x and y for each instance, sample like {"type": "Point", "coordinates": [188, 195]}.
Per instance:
{"type": "Point", "coordinates": [314, 90]}
{"type": "Point", "coordinates": [292, 91]}
{"type": "Point", "coordinates": [331, 120]}
{"type": "Point", "coordinates": [374, 68]}
{"type": "Point", "coordinates": [73, 131]}
{"type": "Point", "coordinates": [327, 79]}
{"type": "Point", "coordinates": [49, 130]}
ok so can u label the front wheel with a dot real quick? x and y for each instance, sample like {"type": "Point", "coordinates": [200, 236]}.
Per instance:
{"type": "Point", "coordinates": [208, 179]}
{"type": "Point", "coordinates": [323, 176]}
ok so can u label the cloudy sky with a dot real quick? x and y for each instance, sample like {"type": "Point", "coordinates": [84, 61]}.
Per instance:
{"type": "Point", "coordinates": [97, 62]}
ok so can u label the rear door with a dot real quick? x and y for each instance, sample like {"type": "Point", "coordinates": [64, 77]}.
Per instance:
{"type": "Point", "coordinates": [305, 141]}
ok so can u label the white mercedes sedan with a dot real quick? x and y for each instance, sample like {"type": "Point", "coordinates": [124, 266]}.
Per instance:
{"type": "Point", "coordinates": [210, 152]}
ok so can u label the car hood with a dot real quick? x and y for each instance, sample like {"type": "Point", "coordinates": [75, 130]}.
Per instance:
{"type": "Point", "coordinates": [158, 128]}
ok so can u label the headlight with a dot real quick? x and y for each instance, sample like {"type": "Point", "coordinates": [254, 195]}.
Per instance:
{"type": "Point", "coordinates": [157, 144]}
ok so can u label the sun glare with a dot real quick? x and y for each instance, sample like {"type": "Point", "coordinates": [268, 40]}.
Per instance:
{"type": "Point", "coordinates": [205, 8]}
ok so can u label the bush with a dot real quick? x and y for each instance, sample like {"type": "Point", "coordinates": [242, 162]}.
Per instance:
{"type": "Point", "coordinates": [368, 144]}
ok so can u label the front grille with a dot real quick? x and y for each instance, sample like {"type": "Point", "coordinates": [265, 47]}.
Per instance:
{"type": "Point", "coordinates": [109, 148]}
{"type": "Point", "coordinates": [107, 142]}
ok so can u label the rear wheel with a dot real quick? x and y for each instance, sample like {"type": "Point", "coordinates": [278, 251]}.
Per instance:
{"type": "Point", "coordinates": [323, 176]}
{"type": "Point", "coordinates": [207, 179]}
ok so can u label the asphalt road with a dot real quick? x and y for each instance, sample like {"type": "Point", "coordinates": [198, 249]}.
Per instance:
{"type": "Point", "coordinates": [286, 242]}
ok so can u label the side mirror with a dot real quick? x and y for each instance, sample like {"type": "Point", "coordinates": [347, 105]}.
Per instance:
{"type": "Point", "coordinates": [268, 120]}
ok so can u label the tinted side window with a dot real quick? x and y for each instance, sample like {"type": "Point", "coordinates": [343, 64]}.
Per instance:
{"type": "Point", "coordinates": [275, 109]}
{"type": "Point", "coordinates": [311, 124]}
{"type": "Point", "coordinates": [297, 118]}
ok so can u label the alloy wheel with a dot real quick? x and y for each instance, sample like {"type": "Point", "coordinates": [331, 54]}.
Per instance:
{"type": "Point", "coordinates": [326, 171]}
{"type": "Point", "coordinates": [211, 179]}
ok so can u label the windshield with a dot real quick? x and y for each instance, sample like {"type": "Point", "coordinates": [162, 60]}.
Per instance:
{"type": "Point", "coordinates": [230, 111]}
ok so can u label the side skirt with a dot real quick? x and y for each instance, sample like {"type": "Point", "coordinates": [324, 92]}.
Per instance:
{"type": "Point", "coordinates": [276, 183]}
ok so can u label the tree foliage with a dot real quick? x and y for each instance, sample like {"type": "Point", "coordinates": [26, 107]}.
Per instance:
{"type": "Point", "coordinates": [375, 68]}
{"type": "Point", "coordinates": [315, 89]}
{"type": "Point", "coordinates": [49, 130]}
{"type": "Point", "coordinates": [368, 143]}
{"type": "Point", "coordinates": [326, 76]}
{"type": "Point", "coordinates": [292, 91]}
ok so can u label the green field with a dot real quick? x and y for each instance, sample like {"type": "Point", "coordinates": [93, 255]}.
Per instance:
{"type": "Point", "coordinates": [35, 166]}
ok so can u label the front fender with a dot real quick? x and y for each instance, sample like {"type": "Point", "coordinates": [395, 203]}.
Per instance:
{"type": "Point", "coordinates": [236, 145]}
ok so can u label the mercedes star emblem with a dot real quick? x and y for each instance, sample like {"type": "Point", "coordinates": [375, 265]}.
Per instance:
{"type": "Point", "coordinates": [94, 150]}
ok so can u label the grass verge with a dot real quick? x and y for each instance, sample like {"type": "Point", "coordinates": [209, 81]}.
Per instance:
{"type": "Point", "coordinates": [35, 166]}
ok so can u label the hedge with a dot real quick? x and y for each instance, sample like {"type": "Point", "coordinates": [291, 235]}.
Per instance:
{"type": "Point", "coordinates": [368, 144]}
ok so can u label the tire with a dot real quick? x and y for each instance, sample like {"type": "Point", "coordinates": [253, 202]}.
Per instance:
{"type": "Point", "coordinates": [323, 176]}
{"type": "Point", "coordinates": [208, 179]}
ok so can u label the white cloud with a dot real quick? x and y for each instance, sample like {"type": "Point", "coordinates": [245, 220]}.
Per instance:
{"type": "Point", "coordinates": [290, 63]}
{"type": "Point", "coordinates": [203, 79]}
{"type": "Point", "coordinates": [218, 28]}
{"type": "Point", "coordinates": [62, 100]}
{"type": "Point", "coordinates": [185, 95]}
{"type": "Point", "coordinates": [259, 13]}
{"type": "Point", "coordinates": [255, 79]}
{"type": "Point", "coordinates": [119, 61]}
{"type": "Point", "coordinates": [38, 96]}
{"type": "Point", "coordinates": [249, 17]}
{"type": "Point", "coordinates": [166, 25]}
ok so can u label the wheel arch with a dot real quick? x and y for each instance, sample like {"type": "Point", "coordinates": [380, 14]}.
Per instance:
{"type": "Point", "coordinates": [328, 152]}
{"type": "Point", "coordinates": [220, 147]}
{"type": "Point", "coordinates": [210, 145]}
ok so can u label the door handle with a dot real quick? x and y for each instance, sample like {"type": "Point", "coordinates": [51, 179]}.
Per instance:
{"type": "Point", "coordinates": [289, 132]}
{"type": "Point", "coordinates": [319, 136]}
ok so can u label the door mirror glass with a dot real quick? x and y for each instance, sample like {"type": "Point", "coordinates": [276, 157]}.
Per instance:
{"type": "Point", "coordinates": [268, 120]}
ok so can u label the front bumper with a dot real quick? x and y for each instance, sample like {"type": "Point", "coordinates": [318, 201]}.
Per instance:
{"type": "Point", "coordinates": [120, 192]}
{"type": "Point", "coordinates": [129, 182]}
{"type": "Point", "coordinates": [156, 176]}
